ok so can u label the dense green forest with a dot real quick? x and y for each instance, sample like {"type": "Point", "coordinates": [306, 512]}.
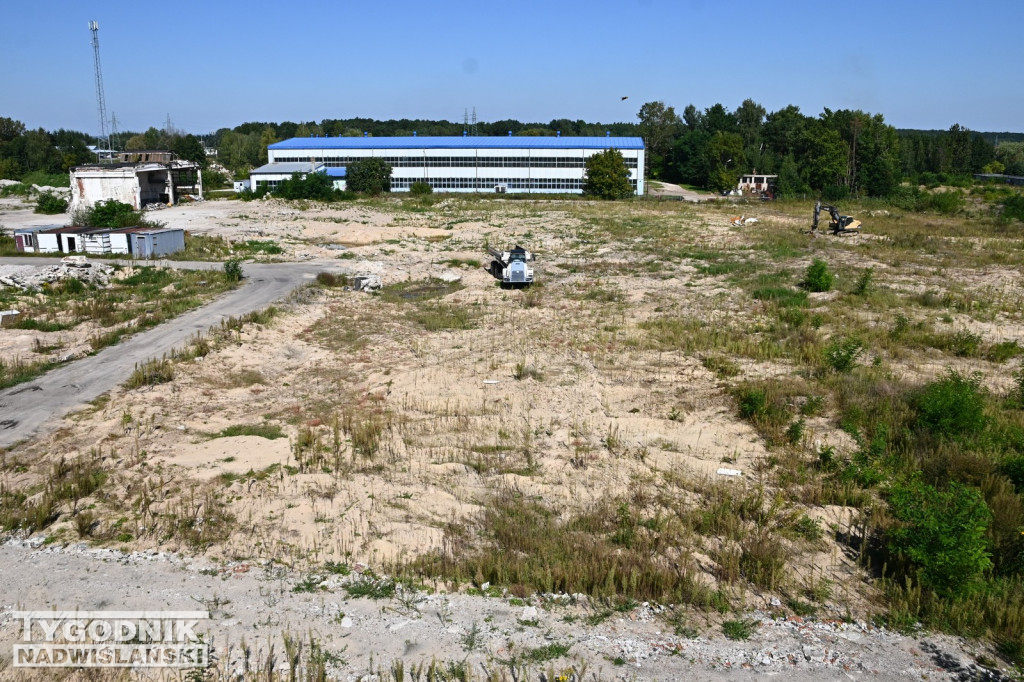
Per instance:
{"type": "Point", "coordinates": [835, 154]}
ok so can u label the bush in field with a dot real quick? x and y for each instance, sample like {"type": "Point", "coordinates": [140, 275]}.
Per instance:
{"type": "Point", "coordinates": [418, 189]}
{"type": "Point", "coordinates": [947, 202]}
{"type": "Point", "coordinates": [940, 535]}
{"type": "Point", "coordinates": [1013, 208]}
{"type": "Point", "coordinates": [233, 269]}
{"type": "Point", "coordinates": [818, 277]}
{"type": "Point", "coordinates": [952, 406]}
{"type": "Point", "coordinates": [49, 203]}
{"type": "Point", "coordinates": [315, 186]}
{"type": "Point", "coordinates": [841, 354]}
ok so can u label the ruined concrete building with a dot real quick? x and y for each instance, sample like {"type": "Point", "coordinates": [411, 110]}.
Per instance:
{"type": "Point", "coordinates": [137, 184]}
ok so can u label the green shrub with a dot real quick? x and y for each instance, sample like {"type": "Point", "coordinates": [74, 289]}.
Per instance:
{"type": "Point", "coordinates": [841, 354]}
{"type": "Point", "coordinates": [1003, 351]}
{"type": "Point", "coordinates": [753, 402]}
{"type": "Point", "coordinates": [314, 186]}
{"type": "Point", "coordinates": [109, 213]}
{"type": "Point", "coordinates": [939, 535]}
{"type": "Point", "coordinates": [49, 203]}
{"type": "Point", "coordinates": [233, 269]}
{"type": "Point", "coordinates": [951, 406]}
{"type": "Point", "coordinates": [418, 189]}
{"type": "Point", "coordinates": [1013, 208]}
{"type": "Point", "coordinates": [947, 202]}
{"type": "Point", "coordinates": [818, 277]}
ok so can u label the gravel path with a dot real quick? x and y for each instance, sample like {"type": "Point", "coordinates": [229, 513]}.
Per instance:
{"type": "Point", "coordinates": [27, 407]}
{"type": "Point", "coordinates": [257, 601]}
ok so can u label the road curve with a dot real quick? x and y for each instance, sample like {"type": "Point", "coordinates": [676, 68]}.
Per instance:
{"type": "Point", "coordinates": [26, 408]}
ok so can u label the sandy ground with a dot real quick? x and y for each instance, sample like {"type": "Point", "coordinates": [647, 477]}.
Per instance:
{"type": "Point", "coordinates": [598, 416]}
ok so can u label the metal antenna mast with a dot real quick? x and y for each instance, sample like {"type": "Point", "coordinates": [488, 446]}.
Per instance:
{"type": "Point", "coordinates": [101, 102]}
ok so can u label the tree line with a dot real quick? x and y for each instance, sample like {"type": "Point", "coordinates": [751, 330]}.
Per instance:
{"type": "Point", "coordinates": [835, 154]}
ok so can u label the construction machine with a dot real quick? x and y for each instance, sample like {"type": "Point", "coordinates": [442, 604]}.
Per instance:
{"type": "Point", "coordinates": [512, 267]}
{"type": "Point", "coordinates": [837, 224]}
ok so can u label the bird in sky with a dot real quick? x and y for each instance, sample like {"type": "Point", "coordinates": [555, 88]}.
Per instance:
{"type": "Point", "coordinates": [624, 98]}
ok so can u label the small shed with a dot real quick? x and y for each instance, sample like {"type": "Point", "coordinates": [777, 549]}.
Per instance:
{"type": "Point", "coordinates": [26, 239]}
{"type": "Point", "coordinates": [157, 243]}
{"type": "Point", "coordinates": [109, 241]}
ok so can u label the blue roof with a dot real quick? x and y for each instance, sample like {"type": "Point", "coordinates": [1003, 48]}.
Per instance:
{"type": "Point", "coordinates": [414, 142]}
{"type": "Point", "coordinates": [333, 172]}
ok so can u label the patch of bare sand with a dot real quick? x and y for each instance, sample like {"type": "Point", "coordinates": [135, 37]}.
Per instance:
{"type": "Point", "coordinates": [233, 455]}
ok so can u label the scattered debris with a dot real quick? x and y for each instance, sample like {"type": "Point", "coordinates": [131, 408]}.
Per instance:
{"type": "Point", "coordinates": [76, 261]}
{"type": "Point", "coordinates": [31, 277]}
{"type": "Point", "coordinates": [722, 471]}
{"type": "Point", "coordinates": [366, 283]}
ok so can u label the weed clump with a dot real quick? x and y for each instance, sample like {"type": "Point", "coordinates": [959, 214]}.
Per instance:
{"type": "Point", "coordinates": [151, 373]}
{"type": "Point", "coordinates": [739, 629]}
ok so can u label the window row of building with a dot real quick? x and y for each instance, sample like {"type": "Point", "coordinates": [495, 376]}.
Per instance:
{"type": "Point", "coordinates": [455, 161]}
{"type": "Point", "coordinates": [489, 184]}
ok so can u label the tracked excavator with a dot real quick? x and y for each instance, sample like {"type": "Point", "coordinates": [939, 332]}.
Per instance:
{"type": "Point", "coordinates": [837, 224]}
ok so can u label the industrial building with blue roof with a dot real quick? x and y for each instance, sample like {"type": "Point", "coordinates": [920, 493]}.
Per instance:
{"type": "Point", "coordinates": [542, 165]}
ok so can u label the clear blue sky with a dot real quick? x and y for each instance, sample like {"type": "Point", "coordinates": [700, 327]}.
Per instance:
{"type": "Point", "coordinates": [217, 64]}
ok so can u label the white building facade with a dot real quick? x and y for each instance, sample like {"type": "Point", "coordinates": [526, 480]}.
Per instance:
{"type": "Point", "coordinates": [539, 165]}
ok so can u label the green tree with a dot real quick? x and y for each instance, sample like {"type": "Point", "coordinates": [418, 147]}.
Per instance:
{"type": "Point", "coordinates": [189, 148]}
{"type": "Point", "coordinates": [688, 161]}
{"type": "Point", "coordinates": [267, 138]}
{"type": "Point", "coordinates": [825, 161]}
{"type": "Point", "coordinates": [789, 183]}
{"type": "Point", "coordinates": [368, 176]}
{"type": "Point", "coordinates": [10, 129]}
{"type": "Point", "coordinates": [659, 126]}
{"type": "Point", "coordinates": [750, 123]}
{"type": "Point", "coordinates": [940, 534]}
{"type": "Point", "coordinates": [717, 119]}
{"type": "Point", "coordinates": [724, 159]}
{"type": "Point", "coordinates": [606, 176]}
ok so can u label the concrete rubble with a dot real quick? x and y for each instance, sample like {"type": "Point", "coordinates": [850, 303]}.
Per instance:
{"type": "Point", "coordinates": [33, 277]}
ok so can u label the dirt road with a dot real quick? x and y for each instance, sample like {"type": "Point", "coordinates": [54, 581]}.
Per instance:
{"type": "Point", "coordinates": [26, 407]}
